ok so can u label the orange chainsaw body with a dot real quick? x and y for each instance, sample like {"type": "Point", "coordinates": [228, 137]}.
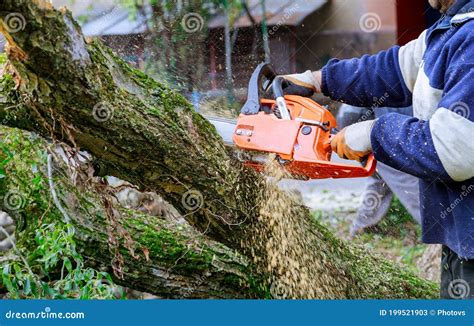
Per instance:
{"type": "Point", "coordinates": [302, 144]}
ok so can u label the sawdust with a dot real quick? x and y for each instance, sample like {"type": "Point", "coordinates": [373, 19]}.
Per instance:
{"type": "Point", "coordinates": [288, 249]}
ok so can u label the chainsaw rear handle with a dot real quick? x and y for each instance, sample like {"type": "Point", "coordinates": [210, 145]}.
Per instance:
{"type": "Point", "coordinates": [352, 170]}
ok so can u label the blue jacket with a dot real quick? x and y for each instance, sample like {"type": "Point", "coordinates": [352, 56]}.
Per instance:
{"type": "Point", "coordinates": [435, 74]}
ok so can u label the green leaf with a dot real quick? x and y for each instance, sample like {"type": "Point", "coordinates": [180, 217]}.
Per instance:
{"type": "Point", "coordinates": [67, 263]}
{"type": "Point", "coordinates": [6, 269]}
{"type": "Point", "coordinates": [47, 291]}
{"type": "Point", "coordinates": [68, 286]}
{"type": "Point", "coordinates": [37, 180]}
{"type": "Point", "coordinates": [34, 288]}
{"type": "Point", "coordinates": [6, 279]}
{"type": "Point", "coordinates": [27, 287]}
{"type": "Point", "coordinates": [18, 271]}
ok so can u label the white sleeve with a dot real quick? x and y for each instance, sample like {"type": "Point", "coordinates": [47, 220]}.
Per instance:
{"type": "Point", "coordinates": [410, 57]}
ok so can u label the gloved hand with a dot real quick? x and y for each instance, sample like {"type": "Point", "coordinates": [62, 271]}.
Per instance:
{"type": "Point", "coordinates": [8, 227]}
{"type": "Point", "coordinates": [305, 84]}
{"type": "Point", "coordinates": [353, 142]}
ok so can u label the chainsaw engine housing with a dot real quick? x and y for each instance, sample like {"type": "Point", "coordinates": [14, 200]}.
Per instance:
{"type": "Point", "coordinates": [301, 143]}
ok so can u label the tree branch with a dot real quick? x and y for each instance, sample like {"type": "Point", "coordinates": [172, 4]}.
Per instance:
{"type": "Point", "coordinates": [160, 256]}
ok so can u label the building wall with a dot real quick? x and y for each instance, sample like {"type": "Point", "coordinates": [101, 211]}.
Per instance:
{"type": "Point", "coordinates": [335, 31]}
{"type": "Point", "coordinates": [345, 29]}
{"type": "Point", "coordinates": [345, 15]}
{"type": "Point", "coordinates": [283, 50]}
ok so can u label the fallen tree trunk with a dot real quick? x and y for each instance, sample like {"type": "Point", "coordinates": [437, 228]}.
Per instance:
{"type": "Point", "coordinates": [150, 254]}
{"type": "Point", "coordinates": [79, 92]}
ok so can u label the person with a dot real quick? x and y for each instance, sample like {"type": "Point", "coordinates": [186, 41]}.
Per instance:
{"type": "Point", "coordinates": [435, 74]}
{"type": "Point", "coordinates": [385, 182]}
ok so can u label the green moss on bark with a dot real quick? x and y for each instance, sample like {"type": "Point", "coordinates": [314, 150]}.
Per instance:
{"type": "Point", "coordinates": [159, 244]}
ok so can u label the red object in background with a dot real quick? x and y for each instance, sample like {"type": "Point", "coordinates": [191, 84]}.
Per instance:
{"type": "Point", "coordinates": [411, 20]}
{"type": "Point", "coordinates": [413, 17]}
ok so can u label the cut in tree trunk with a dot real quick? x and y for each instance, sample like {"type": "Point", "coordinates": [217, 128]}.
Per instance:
{"type": "Point", "coordinates": [77, 91]}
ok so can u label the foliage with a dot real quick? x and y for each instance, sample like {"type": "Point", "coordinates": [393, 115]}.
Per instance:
{"type": "Point", "coordinates": [48, 266]}
{"type": "Point", "coordinates": [36, 275]}
{"type": "Point", "coordinates": [4, 159]}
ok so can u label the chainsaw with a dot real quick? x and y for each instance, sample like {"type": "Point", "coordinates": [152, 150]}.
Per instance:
{"type": "Point", "coordinates": [295, 129]}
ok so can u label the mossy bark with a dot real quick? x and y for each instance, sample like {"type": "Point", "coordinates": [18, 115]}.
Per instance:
{"type": "Point", "coordinates": [155, 140]}
{"type": "Point", "coordinates": [162, 257]}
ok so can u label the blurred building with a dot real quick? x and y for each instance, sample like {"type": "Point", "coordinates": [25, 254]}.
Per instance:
{"type": "Point", "coordinates": [305, 34]}
{"type": "Point", "coordinates": [302, 34]}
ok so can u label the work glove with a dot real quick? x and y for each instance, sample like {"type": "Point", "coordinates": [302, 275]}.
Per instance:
{"type": "Point", "coordinates": [353, 142]}
{"type": "Point", "coordinates": [305, 84]}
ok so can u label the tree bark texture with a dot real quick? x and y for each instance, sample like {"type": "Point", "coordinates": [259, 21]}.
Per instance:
{"type": "Point", "coordinates": [151, 254]}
